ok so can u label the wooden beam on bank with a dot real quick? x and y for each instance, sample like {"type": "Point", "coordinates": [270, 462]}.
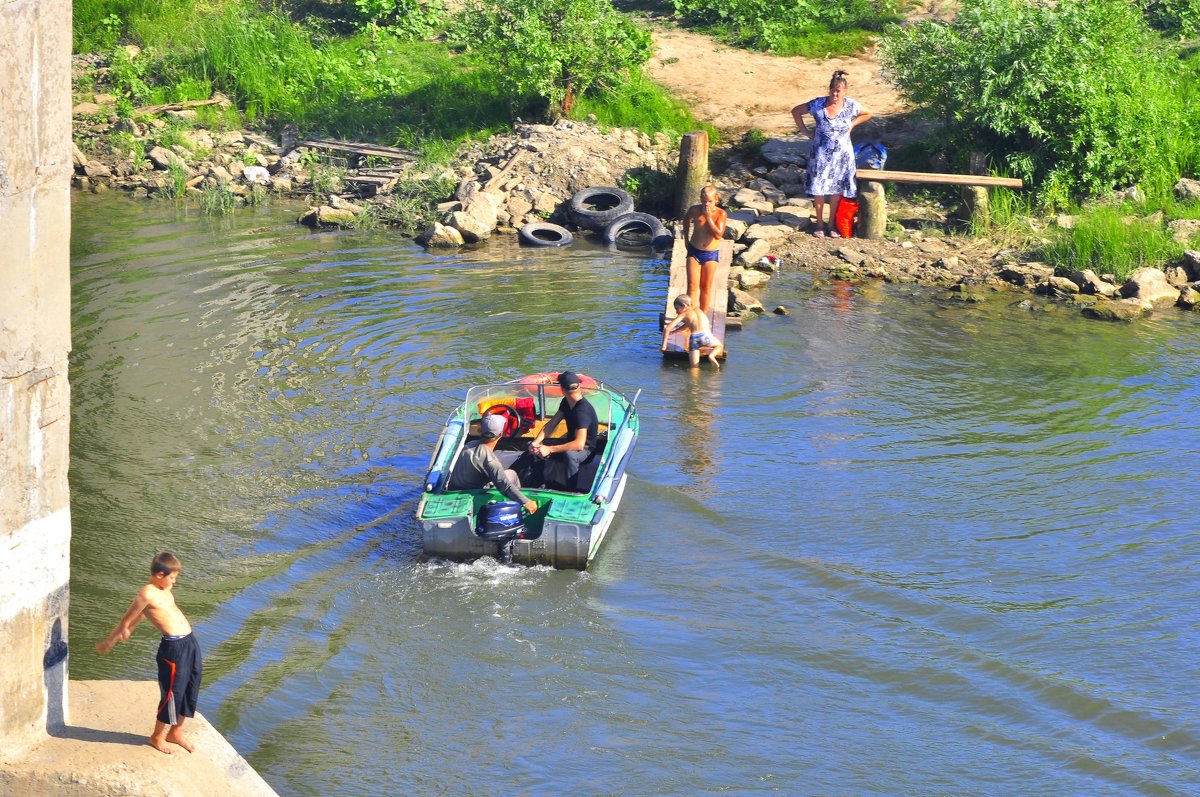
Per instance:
{"type": "Point", "coordinates": [934, 178]}
{"type": "Point", "coordinates": [677, 344]}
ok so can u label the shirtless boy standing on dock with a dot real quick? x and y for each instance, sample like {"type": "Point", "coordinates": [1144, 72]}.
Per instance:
{"type": "Point", "coordinates": [703, 229]}
{"type": "Point", "coordinates": [178, 658]}
{"type": "Point", "coordinates": [699, 328]}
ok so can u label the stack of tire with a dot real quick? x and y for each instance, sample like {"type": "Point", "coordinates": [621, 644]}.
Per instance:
{"type": "Point", "coordinates": [605, 209]}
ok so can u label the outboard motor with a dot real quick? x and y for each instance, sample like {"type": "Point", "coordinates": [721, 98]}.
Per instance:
{"type": "Point", "coordinates": [500, 522]}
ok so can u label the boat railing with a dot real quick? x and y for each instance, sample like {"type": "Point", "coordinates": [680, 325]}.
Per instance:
{"type": "Point", "coordinates": [605, 480]}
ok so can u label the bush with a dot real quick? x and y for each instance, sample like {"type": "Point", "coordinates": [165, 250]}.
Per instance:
{"type": "Point", "coordinates": [1180, 17]}
{"type": "Point", "coordinates": [555, 49]}
{"type": "Point", "coordinates": [790, 26]}
{"type": "Point", "coordinates": [1077, 96]}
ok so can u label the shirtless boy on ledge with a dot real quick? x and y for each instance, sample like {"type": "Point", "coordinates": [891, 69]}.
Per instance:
{"type": "Point", "coordinates": [178, 658]}
{"type": "Point", "coordinates": [703, 229]}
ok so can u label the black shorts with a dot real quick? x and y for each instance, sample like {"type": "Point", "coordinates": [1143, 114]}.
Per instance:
{"type": "Point", "coordinates": [179, 671]}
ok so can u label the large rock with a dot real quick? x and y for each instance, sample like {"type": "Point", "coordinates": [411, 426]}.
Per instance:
{"type": "Point", "coordinates": [518, 208]}
{"type": "Point", "coordinates": [163, 159]}
{"type": "Point", "coordinates": [1120, 310]}
{"type": "Point", "coordinates": [326, 216]}
{"type": "Point", "coordinates": [1191, 263]}
{"type": "Point", "coordinates": [787, 150]}
{"type": "Point", "coordinates": [1150, 287]}
{"type": "Point", "coordinates": [78, 159]}
{"type": "Point", "coordinates": [1184, 230]}
{"type": "Point", "coordinates": [766, 229]}
{"type": "Point", "coordinates": [739, 221]}
{"type": "Point", "coordinates": [756, 251]}
{"type": "Point", "coordinates": [747, 195]}
{"type": "Point", "coordinates": [747, 278]}
{"type": "Point", "coordinates": [1026, 274]}
{"type": "Point", "coordinates": [472, 229]}
{"type": "Point", "coordinates": [482, 207]}
{"type": "Point", "coordinates": [1189, 298]}
{"type": "Point", "coordinates": [1187, 189]}
{"type": "Point", "coordinates": [440, 236]}
{"type": "Point", "coordinates": [742, 302]}
{"type": "Point", "coordinates": [1089, 283]}
{"type": "Point", "coordinates": [96, 170]}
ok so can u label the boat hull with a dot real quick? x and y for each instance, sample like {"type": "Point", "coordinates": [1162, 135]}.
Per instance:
{"type": "Point", "coordinates": [568, 528]}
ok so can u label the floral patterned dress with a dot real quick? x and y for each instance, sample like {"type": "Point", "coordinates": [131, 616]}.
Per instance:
{"type": "Point", "coordinates": [831, 165]}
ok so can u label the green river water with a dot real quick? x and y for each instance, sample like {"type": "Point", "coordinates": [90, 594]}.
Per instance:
{"type": "Point", "coordinates": [895, 547]}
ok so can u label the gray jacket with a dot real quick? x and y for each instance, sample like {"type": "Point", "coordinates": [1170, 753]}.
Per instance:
{"type": "Point", "coordinates": [478, 466]}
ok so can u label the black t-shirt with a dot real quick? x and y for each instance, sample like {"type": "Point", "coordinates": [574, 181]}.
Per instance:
{"type": "Point", "coordinates": [581, 416]}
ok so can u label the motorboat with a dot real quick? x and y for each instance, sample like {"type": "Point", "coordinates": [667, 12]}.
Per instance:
{"type": "Point", "coordinates": [572, 519]}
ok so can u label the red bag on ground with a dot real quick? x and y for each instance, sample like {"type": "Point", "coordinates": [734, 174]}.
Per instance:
{"type": "Point", "coordinates": [843, 221]}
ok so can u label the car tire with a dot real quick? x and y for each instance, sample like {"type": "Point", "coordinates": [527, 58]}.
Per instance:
{"type": "Point", "coordinates": [542, 233]}
{"type": "Point", "coordinates": [597, 207]}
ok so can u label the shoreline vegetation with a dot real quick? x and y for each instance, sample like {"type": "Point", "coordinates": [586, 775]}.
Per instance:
{"type": "Point", "coordinates": [1097, 113]}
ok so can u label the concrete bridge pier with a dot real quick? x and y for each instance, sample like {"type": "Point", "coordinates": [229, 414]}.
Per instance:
{"type": "Point", "coordinates": [35, 337]}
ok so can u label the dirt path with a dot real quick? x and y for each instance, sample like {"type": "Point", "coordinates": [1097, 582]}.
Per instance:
{"type": "Point", "coordinates": [736, 90]}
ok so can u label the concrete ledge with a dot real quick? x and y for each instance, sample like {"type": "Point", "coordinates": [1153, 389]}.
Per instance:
{"type": "Point", "coordinates": [103, 753]}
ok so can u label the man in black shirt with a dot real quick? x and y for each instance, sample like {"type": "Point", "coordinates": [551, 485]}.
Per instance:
{"type": "Point", "coordinates": [565, 455]}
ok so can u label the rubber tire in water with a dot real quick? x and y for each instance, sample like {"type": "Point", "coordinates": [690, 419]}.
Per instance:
{"type": "Point", "coordinates": [660, 238]}
{"type": "Point", "coordinates": [613, 203]}
{"type": "Point", "coordinates": [531, 233]}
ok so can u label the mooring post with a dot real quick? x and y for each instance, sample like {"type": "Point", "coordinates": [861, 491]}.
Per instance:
{"type": "Point", "coordinates": [976, 205]}
{"type": "Point", "coordinates": [872, 210]}
{"type": "Point", "coordinates": [692, 175]}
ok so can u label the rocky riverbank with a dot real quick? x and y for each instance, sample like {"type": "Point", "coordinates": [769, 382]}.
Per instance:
{"type": "Point", "coordinates": [530, 174]}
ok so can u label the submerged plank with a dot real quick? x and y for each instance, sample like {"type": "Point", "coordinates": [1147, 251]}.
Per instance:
{"type": "Point", "coordinates": [677, 344]}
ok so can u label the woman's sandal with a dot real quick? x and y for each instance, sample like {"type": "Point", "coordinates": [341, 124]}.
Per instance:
{"type": "Point", "coordinates": [819, 232]}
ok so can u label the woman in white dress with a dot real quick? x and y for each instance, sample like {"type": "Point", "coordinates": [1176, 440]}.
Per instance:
{"type": "Point", "coordinates": [831, 164]}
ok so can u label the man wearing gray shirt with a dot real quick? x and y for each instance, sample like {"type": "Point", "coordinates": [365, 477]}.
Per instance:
{"type": "Point", "coordinates": [478, 466]}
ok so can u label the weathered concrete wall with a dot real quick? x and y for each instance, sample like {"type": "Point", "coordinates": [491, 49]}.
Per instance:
{"type": "Point", "coordinates": [35, 337]}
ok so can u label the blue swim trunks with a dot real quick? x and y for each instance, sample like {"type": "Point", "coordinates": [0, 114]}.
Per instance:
{"type": "Point", "coordinates": [701, 339]}
{"type": "Point", "coordinates": [703, 255]}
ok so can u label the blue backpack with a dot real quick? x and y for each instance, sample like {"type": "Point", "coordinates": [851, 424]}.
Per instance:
{"type": "Point", "coordinates": [870, 155]}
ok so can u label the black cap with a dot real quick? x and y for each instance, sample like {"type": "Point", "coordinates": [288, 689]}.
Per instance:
{"type": "Point", "coordinates": [568, 380]}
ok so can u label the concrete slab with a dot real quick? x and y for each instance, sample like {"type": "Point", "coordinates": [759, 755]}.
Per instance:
{"type": "Point", "coordinates": [103, 753]}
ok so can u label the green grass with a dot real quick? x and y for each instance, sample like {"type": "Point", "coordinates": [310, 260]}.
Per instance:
{"type": "Point", "coordinates": [365, 85]}
{"type": "Point", "coordinates": [1108, 241]}
{"type": "Point", "coordinates": [643, 104]}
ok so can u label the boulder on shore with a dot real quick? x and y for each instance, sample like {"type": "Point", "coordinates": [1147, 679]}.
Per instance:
{"type": "Point", "coordinates": [1150, 286]}
{"type": "Point", "coordinates": [439, 236]}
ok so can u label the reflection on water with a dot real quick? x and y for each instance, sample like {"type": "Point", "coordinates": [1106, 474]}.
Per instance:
{"type": "Point", "coordinates": [893, 547]}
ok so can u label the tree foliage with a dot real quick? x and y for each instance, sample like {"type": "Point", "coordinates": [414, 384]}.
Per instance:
{"type": "Point", "coordinates": [1077, 96]}
{"type": "Point", "coordinates": [766, 23]}
{"type": "Point", "coordinates": [1180, 17]}
{"type": "Point", "coordinates": [555, 49]}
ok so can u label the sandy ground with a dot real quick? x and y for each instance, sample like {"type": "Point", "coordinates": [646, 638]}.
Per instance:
{"type": "Point", "coordinates": [736, 90]}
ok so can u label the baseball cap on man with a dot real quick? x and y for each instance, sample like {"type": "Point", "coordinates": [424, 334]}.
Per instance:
{"type": "Point", "coordinates": [491, 426]}
{"type": "Point", "coordinates": [568, 380]}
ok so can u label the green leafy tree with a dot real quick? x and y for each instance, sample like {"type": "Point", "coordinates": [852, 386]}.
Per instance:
{"type": "Point", "coordinates": [1180, 17]}
{"type": "Point", "coordinates": [1077, 96]}
{"type": "Point", "coordinates": [555, 49]}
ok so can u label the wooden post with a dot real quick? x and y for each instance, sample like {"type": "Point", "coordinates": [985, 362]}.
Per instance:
{"type": "Point", "coordinates": [692, 175]}
{"type": "Point", "coordinates": [976, 207]}
{"type": "Point", "coordinates": [872, 210]}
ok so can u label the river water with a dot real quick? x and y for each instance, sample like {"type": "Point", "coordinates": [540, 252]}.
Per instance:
{"type": "Point", "coordinates": [894, 547]}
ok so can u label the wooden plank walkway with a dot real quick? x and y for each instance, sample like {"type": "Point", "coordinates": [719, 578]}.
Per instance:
{"type": "Point", "coordinates": [677, 344]}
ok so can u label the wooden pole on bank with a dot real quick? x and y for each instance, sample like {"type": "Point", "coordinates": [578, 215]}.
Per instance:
{"type": "Point", "coordinates": [692, 174]}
